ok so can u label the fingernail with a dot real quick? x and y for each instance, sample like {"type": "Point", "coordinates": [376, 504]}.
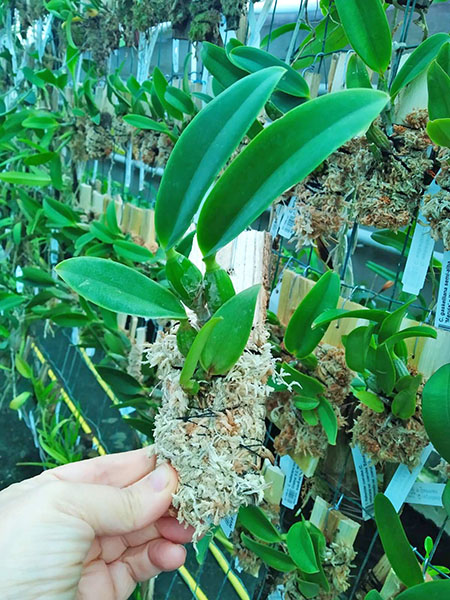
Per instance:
{"type": "Point", "coordinates": [160, 478]}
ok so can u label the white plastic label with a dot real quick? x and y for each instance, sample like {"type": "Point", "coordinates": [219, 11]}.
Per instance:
{"type": "Point", "coordinates": [228, 524]}
{"type": "Point", "coordinates": [367, 481]}
{"type": "Point", "coordinates": [401, 483]}
{"type": "Point", "coordinates": [442, 320]}
{"type": "Point", "coordinates": [275, 298]}
{"type": "Point", "coordinates": [426, 493]}
{"type": "Point", "coordinates": [277, 594]}
{"type": "Point", "coordinates": [293, 483]}
{"type": "Point", "coordinates": [288, 220]}
{"type": "Point", "coordinates": [419, 256]}
{"type": "Point", "coordinates": [276, 220]}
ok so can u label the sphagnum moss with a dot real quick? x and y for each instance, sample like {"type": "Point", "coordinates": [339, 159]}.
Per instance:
{"type": "Point", "coordinates": [214, 440]}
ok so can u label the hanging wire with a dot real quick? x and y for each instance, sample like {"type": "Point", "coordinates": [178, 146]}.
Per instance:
{"type": "Point", "coordinates": [271, 24]}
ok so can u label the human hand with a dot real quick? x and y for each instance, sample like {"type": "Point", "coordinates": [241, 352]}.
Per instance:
{"type": "Point", "coordinates": [89, 530]}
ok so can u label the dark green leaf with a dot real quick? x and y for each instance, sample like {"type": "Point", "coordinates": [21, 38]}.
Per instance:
{"type": "Point", "coordinates": [36, 276]}
{"type": "Point", "coordinates": [301, 548]}
{"type": "Point", "coordinates": [60, 214]}
{"type": "Point", "coordinates": [222, 351]}
{"type": "Point", "coordinates": [395, 542]}
{"type": "Point", "coordinates": [371, 314]}
{"type": "Point", "coordinates": [369, 399]}
{"type": "Point", "coordinates": [219, 65]}
{"type": "Point", "coordinates": [179, 100]}
{"type": "Point", "coordinates": [411, 332]}
{"type": "Point", "coordinates": [308, 386]}
{"type": "Point", "coordinates": [119, 288]}
{"type": "Point", "coordinates": [196, 349]}
{"type": "Point", "coordinates": [385, 369]}
{"type": "Point", "coordinates": [367, 30]}
{"type": "Point", "coordinates": [142, 122]}
{"type": "Point", "coordinates": [418, 61]}
{"type": "Point", "coordinates": [357, 75]}
{"type": "Point", "coordinates": [274, 558]}
{"type": "Point", "coordinates": [255, 521]}
{"type": "Point", "coordinates": [431, 590]}
{"type": "Point", "coordinates": [253, 59]}
{"type": "Point", "coordinates": [279, 157]}
{"type": "Point", "coordinates": [356, 346]}
{"type": "Point", "coordinates": [443, 57]}
{"type": "Point", "coordinates": [438, 92]}
{"type": "Point", "coordinates": [70, 319]}
{"type": "Point", "coordinates": [202, 150]}
{"type": "Point", "coordinates": [132, 251]}
{"type": "Point", "coordinates": [35, 179]}
{"type": "Point", "coordinates": [305, 403]}
{"type": "Point", "coordinates": [300, 339]}
{"type": "Point", "coordinates": [328, 420]}
{"type": "Point", "coordinates": [436, 410]}
{"type": "Point", "coordinates": [120, 381]}
{"type": "Point", "coordinates": [391, 324]}
{"type": "Point", "coordinates": [438, 130]}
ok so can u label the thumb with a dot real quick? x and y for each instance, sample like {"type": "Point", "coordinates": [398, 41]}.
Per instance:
{"type": "Point", "coordinates": [115, 511]}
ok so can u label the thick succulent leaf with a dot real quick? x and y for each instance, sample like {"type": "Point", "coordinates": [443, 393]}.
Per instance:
{"type": "Point", "coordinates": [395, 543]}
{"type": "Point", "coordinates": [371, 314]}
{"type": "Point", "coordinates": [443, 57]}
{"type": "Point", "coordinates": [142, 122]}
{"type": "Point", "coordinates": [438, 92]}
{"type": "Point", "coordinates": [252, 60]}
{"type": "Point", "coordinates": [418, 61]}
{"type": "Point", "coordinates": [308, 387]}
{"type": "Point", "coordinates": [195, 351]}
{"type": "Point", "coordinates": [256, 522]}
{"type": "Point", "coordinates": [439, 132]}
{"type": "Point", "coordinates": [301, 548]}
{"type": "Point", "coordinates": [119, 288]}
{"type": "Point", "coordinates": [328, 420]}
{"type": "Point", "coordinates": [229, 337]}
{"type": "Point", "coordinates": [391, 324]}
{"type": "Point", "coordinates": [369, 399]}
{"type": "Point", "coordinates": [431, 590]}
{"type": "Point", "coordinates": [436, 410]}
{"type": "Point", "coordinates": [274, 558]}
{"type": "Point", "coordinates": [411, 332]}
{"type": "Point", "coordinates": [300, 339]}
{"type": "Point", "coordinates": [279, 157]}
{"type": "Point", "coordinates": [219, 65]}
{"type": "Point", "coordinates": [202, 150]}
{"type": "Point", "coordinates": [367, 30]}
{"type": "Point", "coordinates": [356, 346]}
{"type": "Point", "coordinates": [384, 369]}
{"type": "Point", "coordinates": [357, 75]}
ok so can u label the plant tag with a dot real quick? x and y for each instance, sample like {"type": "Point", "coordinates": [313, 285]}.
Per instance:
{"type": "Point", "coordinates": [276, 221]}
{"type": "Point", "coordinates": [426, 493]}
{"type": "Point", "coordinates": [419, 256]}
{"type": "Point", "coordinates": [288, 220]}
{"type": "Point", "coordinates": [277, 594]}
{"type": "Point", "coordinates": [442, 320]}
{"type": "Point", "coordinates": [228, 524]}
{"type": "Point", "coordinates": [275, 298]}
{"type": "Point", "coordinates": [366, 475]}
{"type": "Point", "coordinates": [401, 483]}
{"type": "Point", "coordinates": [293, 483]}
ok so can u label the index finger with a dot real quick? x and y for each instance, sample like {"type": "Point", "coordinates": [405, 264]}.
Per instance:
{"type": "Point", "coordinates": [118, 470]}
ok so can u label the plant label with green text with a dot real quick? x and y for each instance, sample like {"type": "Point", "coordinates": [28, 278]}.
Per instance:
{"type": "Point", "coordinates": [228, 524]}
{"type": "Point", "coordinates": [442, 320]}
{"type": "Point", "coordinates": [366, 475]}
{"type": "Point", "coordinates": [293, 483]}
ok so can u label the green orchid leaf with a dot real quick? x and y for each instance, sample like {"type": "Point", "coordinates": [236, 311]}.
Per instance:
{"type": "Point", "coordinates": [255, 521]}
{"type": "Point", "coordinates": [274, 558]}
{"type": "Point", "coordinates": [60, 214]}
{"type": "Point", "coordinates": [369, 399]}
{"type": "Point", "coordinates": [195, 351]}
{"type": "Point", "coordinates": [308, 386]}
{"type": "Point", "coordinates": [222, 351]}
{"type": "Point", "coordinates": [404, 404]}
{"type": "Point", "coordinates": [357, 75]}
{"type": "Point", "coordinates": [142, 122]}
{"type": "Point", "coordinates": [436, 410]}
{"type": "Point", "coordinates": [70, 319]}
{"type": "Point", "coordinates": [327, 37]}
{"type": "Point", "coordinates": [19, 400]}
{"type": "Point", "coordinates": [23, 367]}
{"type": "Point", "coordinates": [40, 121]}
{"type": "Point", "coordinates": [438, 92]}
{"type": "Point", "coordinates": [384, 369]}
{"type": "Point", "coordinates": [300, 339]}
{"type": "Point", "coordinates": [367, 30]}
{"type": "Point", "coordinates": [202, 546]}
{"type": "Point", "coordinates": [443, 57]}
{"type": "Point", "coordinates": [101, 232]}
{"type": "Point", "coordinates": [202, 150]}
{"type": "Point", "coordinates": [276, 33]}
{"type": "Point", "coordinates": [395, 543]}
{"type": "Point", "coordinates": [120, 381]}
{"type": "Point", "coordinates": [35, 179]}
{"type": "Point", "coordinates": [308, 589]}
{"type": "Point", "coordinates": [301, 548]}
{"type": "Point", "coordinates": [431, 590]}
{"type": "Point", "coordinates": [119, 288]}
{"type": "Point", "coordinates": [36, 276]}
{"type": "Point", "coordinates": [328, 420]}
{"type": "Point", "coordinates": [219, 65]}
{"type": "Point", "coordinates": [411, 332]}
{"type": "Point", "coordinates": [356, 347]}
{"type": "Point", "coordinates": [438, 130]}
{"type": "Point", "coordinates": [132, 251]}
{"type": "Point", "coordinates": [305, 403]}
{"type": "Point", "coordinates": [253, 60]}
{"type": "Point", "coordinates": [311, 417]}
{"type": "Point", "coordinates": [160, 85]}
{"type": "Point", "coordinates": [373, 595]}
{"type": "Point", "coordinates": [279, 157]}
{"type": "Point", "coordinates": [418, 61]}
{"type": "Point", "coordinates": [39, 159]}
{"type": "Point", "coordinates": [179, 100]}
{"type": "Point", "coordinates": [111, 219]}
{"type": "Point", "coordinates": [391, 324]}
{"type": "Point", "coordinates": [318, 540]}
{"type": "Point", "coordinates": [371, 314]}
